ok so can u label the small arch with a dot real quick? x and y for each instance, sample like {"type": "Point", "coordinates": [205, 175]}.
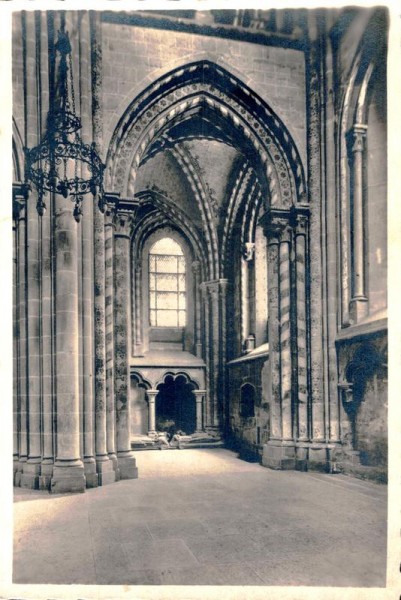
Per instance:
{"type": "Point", "coordinates": [176, 405]}
{"type": "Point", "coordinates": [247, 401]}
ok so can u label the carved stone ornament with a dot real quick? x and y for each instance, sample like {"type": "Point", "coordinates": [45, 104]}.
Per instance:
{"type": "Point", "coordinates": [249, 251]}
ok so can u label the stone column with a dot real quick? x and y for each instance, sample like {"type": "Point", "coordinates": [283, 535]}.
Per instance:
{"type": "Point", "coordinates": [279, 452]}
{"type": "Point", "coordinates": [198, 335]}
{"type": "Point", "coordinates": [285, 335]}
{"type": "Point", "coordinates": [122, 344]}
{"type": "Point", "coordinates": [46, 283]}
{"type": "Point", "coordinates": [82, 57]}
{"type": "Point", "coordinates": [223, 285]}
{"type": "Point", "coordinates": [151, 394]}
{"type": "Point", "coordinates": [215, 373]}
{"type": "Point", "coordinates": [109, 291]}
{"type": "Point", "coordinates": [91, 474]}
{"type": "Point", "coordinates": [273, 234]}
{"type": "Point", "coordinates": [199, 396]}
{"type": "Point", "coordinates": [138, 304]}
{"type": "Point", "coordinates": [22, 343]}
{"type": "Point", "coordinates": [68, 472]}
{"type": "Point", "coordinates": [244, 303]}
{"type": "Point", "coordinates": [301, 228]}
{"type": "Point", "coordinates": [31, 470]}
{"type": "Point", "coordinates": [104, 465]}
{"type": "Point", "coordinates": [359, 301]}
{"type": "Point", "coordinates": [313, 58]}
{"type": "Point", "coordinates": [18, 211]}
{"type": "Point", "coordinates": [207, 353]}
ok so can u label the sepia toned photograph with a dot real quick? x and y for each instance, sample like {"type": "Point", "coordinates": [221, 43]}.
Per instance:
{"type": "Point", "coordinates": [200, 243]}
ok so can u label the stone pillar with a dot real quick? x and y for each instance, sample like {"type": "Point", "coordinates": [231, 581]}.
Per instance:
{"type": "Point", "coordinates": [46, 283]}
{"type": "Point", "coordinates": [285, 335]}
{"type": "Point", "coordinates": [198, 335]}
{"type": "Point", "coordinates": [68, 472]}
{"type": "Point", "coordinates": [359, 301]}
{"type": "Point", "coordinates": [82, 54]}
{"type": "Point", "coordinates": [104, 465]}
{"type": "Point", "coordinates": [138, 305]}
{"type": "Point", "coordinates": [109, 291]}
{"type": "Point", "coordinates": [223, 285]}
{"type": "Point", "coordinates": [31, 470]}
{"type": "Point", "coordinates": [199, 396]}
{"type": "Point", "coordinates": [22, 343]}
{"type": "Point", "coordinates": [15, 350]}
{"type": "Point", "coordinates": [301, 230]}
{"type": "Point", "coordinates": [151, 394]}
{"type": "Point", "coordinates": [273, 234]}
{"type": "Point", "coordinates": [207, 354]}
{"type": "Point", "coordinates": [18, 212]}
{"type": "Point", "coordinates": [122, 344]}
{"type": "Point", "coordinates": [279, 452]}
{"type": "Point", "coordinates": [214, 366]}
{"type": "Point", "coordinates": [313, 57]}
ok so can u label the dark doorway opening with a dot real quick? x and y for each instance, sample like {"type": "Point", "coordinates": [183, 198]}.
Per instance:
{"type": "Point", "coordinates": [176, 406]}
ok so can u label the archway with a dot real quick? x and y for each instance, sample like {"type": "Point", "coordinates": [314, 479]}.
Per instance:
{"type": "Point", "coordinates": [176, 406]}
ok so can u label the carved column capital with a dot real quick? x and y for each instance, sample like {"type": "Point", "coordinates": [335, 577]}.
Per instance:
{"type": "Point", "coordinates": [358, 137]}
{"type": "Point", "coordinates": [123, 222]}
{"type": "Point", "coordinates": [109, 216]}
{"type": "Point", "coordinates": [20, 197]}
{"type": "Point", "coordinates": [347, 392]}
{"type": "Point", "coordinates": [249, 251]}
{"type": "Point", "coordinates": [277, 225]}
{"type": "Point", "coordinates": [195, 267]}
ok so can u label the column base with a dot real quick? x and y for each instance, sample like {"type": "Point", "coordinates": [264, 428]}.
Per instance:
{"type": "Point", "coordinates": [18, 473]}
{"type": "Point", "coordinates": [358, 309]}
{"type": "Point", "coordinates": [127, 466]}
{"type": "Point", "coordinates": [279, 455]}
{"type": "Point", "coordinates": [30, 476]}
{"type": "Point", "coordinates": [114, 460]}
{"type": "Point", "coordinates": [105, 470]}
{"type": "Point", "coordinates": [68, 479]}
{"type": "Point", "coordinates": [46, 473]}
{"type": "Point", "coordinates": [92, 480]}
{"type": "Point", "coordinates": [299, 456]}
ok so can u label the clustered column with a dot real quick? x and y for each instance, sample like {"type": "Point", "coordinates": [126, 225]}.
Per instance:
{"type": "Point", "coordinates": [291, 411]}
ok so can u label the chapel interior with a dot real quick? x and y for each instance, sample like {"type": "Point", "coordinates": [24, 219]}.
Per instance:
{"type": "Point", "coordinates": [224, 282]}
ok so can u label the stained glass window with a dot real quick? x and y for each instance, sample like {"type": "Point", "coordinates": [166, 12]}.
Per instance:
{"type": "Point", "coordinates": [167, 286]}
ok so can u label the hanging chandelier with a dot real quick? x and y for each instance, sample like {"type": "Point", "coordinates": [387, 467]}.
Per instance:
{"type": "Point", "coordinates": [62, 163]}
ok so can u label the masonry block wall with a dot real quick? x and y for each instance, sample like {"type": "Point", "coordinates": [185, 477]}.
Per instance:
{"type": "Point", "coordinates": [248, 433]}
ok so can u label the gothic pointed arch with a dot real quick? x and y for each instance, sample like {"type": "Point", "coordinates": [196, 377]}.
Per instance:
{"type": "Point", "coordinates": [199, 87]}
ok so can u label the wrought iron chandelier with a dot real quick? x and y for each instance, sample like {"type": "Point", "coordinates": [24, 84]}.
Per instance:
{"type": "Point", "coordinates": [62, 163]}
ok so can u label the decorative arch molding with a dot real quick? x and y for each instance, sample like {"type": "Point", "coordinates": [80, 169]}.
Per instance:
{"type": "Point", "coordinates": [166, 213]}
{"type": "Point", "coordinates": [156, 78]}
{"type": "Point", "coordinates": [186, 162]}
{"type": "Point", "coordinates": [175, 374]}
{"type": "Point", "coordinates": [158, 107]}
{"type": "Point", "coordinates": [140, 379]}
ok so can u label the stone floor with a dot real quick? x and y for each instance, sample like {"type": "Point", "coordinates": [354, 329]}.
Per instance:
{"type": "Point", "coordinates": [204, 517]}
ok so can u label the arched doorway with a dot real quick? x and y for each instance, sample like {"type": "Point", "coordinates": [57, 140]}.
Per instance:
{"type": "Point", "coordinates": [176, 406]}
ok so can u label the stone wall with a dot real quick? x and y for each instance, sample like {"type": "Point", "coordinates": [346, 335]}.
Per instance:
{"type": "Point", "coordinates": [248, 434]}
